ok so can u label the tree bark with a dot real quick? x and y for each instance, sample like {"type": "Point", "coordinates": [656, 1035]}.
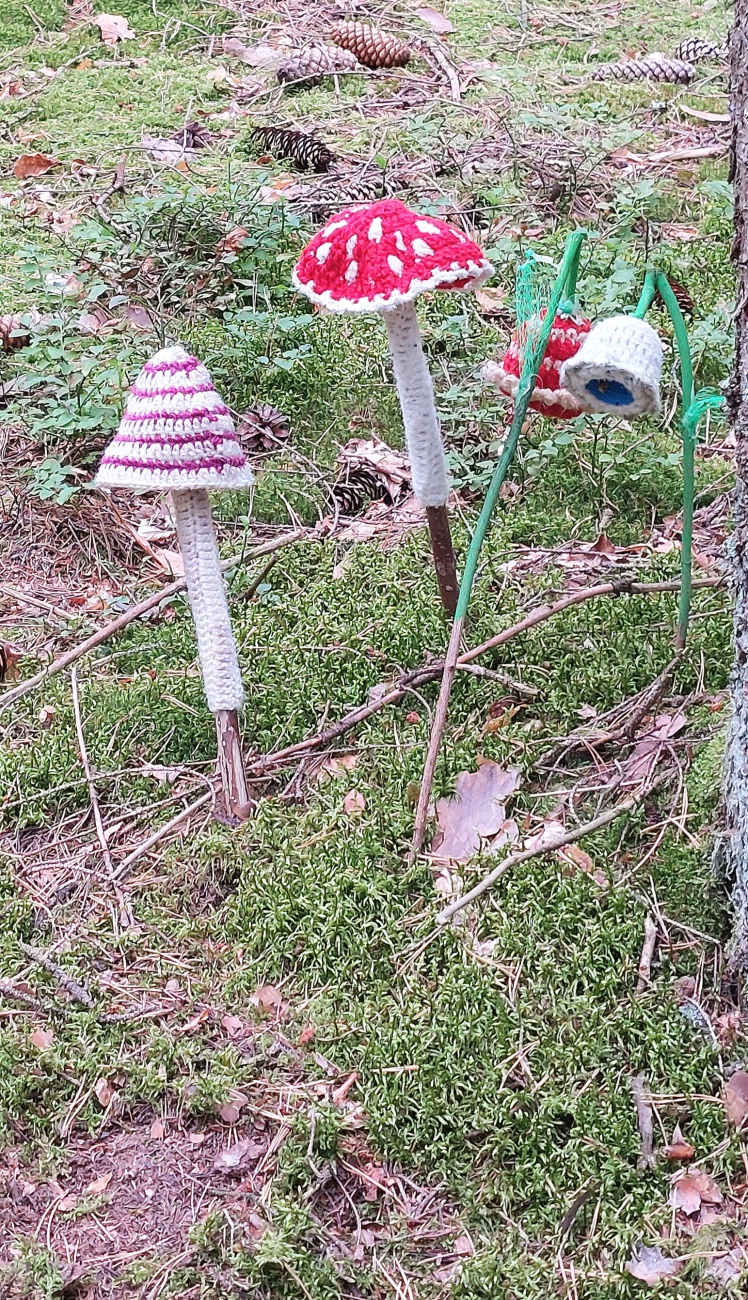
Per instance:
{"type": "Point", "coordinates": [736, 765]}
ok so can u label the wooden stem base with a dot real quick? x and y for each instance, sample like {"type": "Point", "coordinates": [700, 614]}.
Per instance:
{"type": "Point", "coordinates": [444, 557]}
{"type": "Point", "coordinates": [231, 765]}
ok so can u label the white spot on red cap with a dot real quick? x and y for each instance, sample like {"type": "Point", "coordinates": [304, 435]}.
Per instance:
{"type": "Point", "coordinates": [351, 272]}
{"type": "Point", "coordinates": [400, 242]}
{"type": "Point", "coordinates": [333, 226]}
{"type": "Point", "coordinates": [427, 228]}
{"type": "Point", "coordinates": [323, 252]}
{"type": "Point", "coordinates": [395, 264]}
{"type": "Point", "coordinates": [375, 230]}
{"type": "Point", "coordinates": [351, 245]}
{"type": "Point", "coordinates": [421, 248]}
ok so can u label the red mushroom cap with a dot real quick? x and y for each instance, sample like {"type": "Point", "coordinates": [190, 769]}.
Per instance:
{"type": "Point", "coordinates": [567, 336]}
{"type": "Point", "coordinates": [368, 259]}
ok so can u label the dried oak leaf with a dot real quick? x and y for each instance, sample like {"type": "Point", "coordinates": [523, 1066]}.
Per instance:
{"type": "Point", "coordinates": [476, 811]}
{"type": "Point", "coordinates": [33, 164]}
{"type": "Point", "coordinates": [735, 1098]}
{"type": "Point", "coordinates": [113, 28]}
{"type": "Point", "coordinates": [649, 1265]}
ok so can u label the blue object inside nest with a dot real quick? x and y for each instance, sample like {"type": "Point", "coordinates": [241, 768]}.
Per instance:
{"type": "Point", "coordinates": [610, 392]}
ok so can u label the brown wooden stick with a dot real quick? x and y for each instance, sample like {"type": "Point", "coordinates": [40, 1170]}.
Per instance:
{"type": "Point", "coordinates": [231, 765]}
{"type": "Point", "coordinates": [130, 615]}
{"type": "Point", "coordinates": [539, 615]}
{"type": "Point", "coordinates": [444, 557]}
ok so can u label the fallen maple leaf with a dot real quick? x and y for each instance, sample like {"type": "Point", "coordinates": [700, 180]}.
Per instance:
{"type": "Point", "coordinates": [436, 21]}
{"type": "Point", "coordinates": [233, 1158]}
{"type": "Point", "coordinates": [476, 811]}
{"type": "Point", "coordinates": [113, 28]}
{"type": "Point", "coordinates": [735, 1098]}
{"type": "Point", "coordinates": [33, 164]}
{"type": "Point", "coordinates": [649, 1265]}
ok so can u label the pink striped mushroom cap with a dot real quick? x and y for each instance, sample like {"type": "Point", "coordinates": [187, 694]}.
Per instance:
{"type": "Point", "coordinates": [176, 432]}
{"type": "Point", "coordinates": [177, 436]}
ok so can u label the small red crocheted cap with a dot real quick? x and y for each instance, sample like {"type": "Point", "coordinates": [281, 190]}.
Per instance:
{"type": "Point", "coordinates": [566, 338]}
{"type": "Point", "coordinates": [372, 258]}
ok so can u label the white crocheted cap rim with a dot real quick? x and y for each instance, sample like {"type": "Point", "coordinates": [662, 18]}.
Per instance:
{"type": "Point", "coordinates": [645, 396]}
{"type": "Point", "coordinates": [493, 373]}
{"type": "Point", "coordinates": [478, 271]}
{"type": "Point", "coordinates": [160, 480]}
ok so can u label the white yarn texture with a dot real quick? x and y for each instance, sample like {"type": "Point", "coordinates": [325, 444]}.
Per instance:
{"type": "Point", "coordinates": [623, 350]}
{"type": "Point", "coordinates": [207, 593]}
{"type": "Point", "coordinates": [428, 464]}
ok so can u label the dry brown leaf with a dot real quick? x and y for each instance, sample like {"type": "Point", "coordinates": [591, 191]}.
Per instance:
{"type": "Point", "coordinates": [679, 1148]}
{"type": "Point", "coordinates": [239, 1154]}
{"type": "Point", "coordinates": [113, 28]}
{"type": "Point", "coordinates": [306, 1036]}
{"type": "Point", "coordinates": [340, 765]}
{"type": "Point", "coordinates": [9, 657]}
{"type": "Point", "coordinates": [280, 189]}
{"type": "Point", "coordinates": [158, 1131]}
{"type": "Point", "coordinates": [267, 998]}
{"type": "Point", "coordinates": [476, 811]}
{"type": "Point", "coordinates": [436, 21]}
{"type": "Point", "coordinates": [43, 1039]}
{"type": "Point", "coordinates": [98, 1186]}
{"type": "Point", "coordinates": [689, 1189]}
{"type": "Point", "coordinates": [232, 241]}
{"type": "Point", "coordinates": [33, 164]}
{"type": "Point", "coordinates": [171, 562]}
{"type": "Point", "coordinates": [138, 318]}
{"type": "Point", "coordinates": [683, 234]}
{"type": "Point", "coordinates": [354, 803]}
{"type": "Point", "coordinates": [735, 1098]}
{"type": "Point", "coordinates": [491, 300]}
{"type": "Point", "coordinates": [232, 1109]}
{"type": "Point", "coordinates": [649, 1265]}
{"type": "Point", "coordinates": [646, 753]}
{"type": "Point", "coordinates": [234, 1025]}
{"type": "Point", "coordinates": [257, 56]}
{"type": "Point", "coordinates": [105, 1092]}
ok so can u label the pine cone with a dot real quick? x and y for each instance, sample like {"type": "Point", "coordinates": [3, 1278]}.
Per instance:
{"type": "Point", "coordinates": [309, 153]}
{"type": "Point", "coordinates": [682, 297]}
{"type": "Point", "coordinates": [650, 67]}
{"type": "Point", "coordinates": [262, 428]}
{"type": "Point", "coordinates": [341, 189]}
{"type": "Point", "coordinates": [14, 333]}
{"type": "Point", "coordinates": [694, 50]}
{"type": "Point", "coordinates": [371, 47]}
{"type": "Point", "coordinates": [355, 488]}
{"type": "Point", "coordinates": [315, 62]}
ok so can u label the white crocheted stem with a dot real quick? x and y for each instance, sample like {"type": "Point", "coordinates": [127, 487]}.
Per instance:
{"type": "Point", "coordinates": [202, 570]}
{"type": "Point", "coordinates": [428, 464]}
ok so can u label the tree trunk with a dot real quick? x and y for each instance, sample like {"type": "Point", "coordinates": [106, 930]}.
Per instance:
{"type": "Point", "coordinates": [736, 768]}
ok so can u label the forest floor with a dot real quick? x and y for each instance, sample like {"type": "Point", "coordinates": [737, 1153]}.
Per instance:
{"type": "Point", "coordinates": [247, 1062]}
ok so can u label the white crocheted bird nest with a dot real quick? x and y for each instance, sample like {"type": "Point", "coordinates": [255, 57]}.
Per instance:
{"type": "Point", "coordinates": [617, 369]}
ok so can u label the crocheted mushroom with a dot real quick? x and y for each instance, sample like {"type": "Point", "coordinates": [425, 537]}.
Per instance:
{"type": "Point", "coordinates": [380, 258]}
{"type": "Point", "coordinates": [550, 397]}
{"type": "Point", "coordinates": [617, 370]}
{"type": "Point", "coordinates": [177, 435]}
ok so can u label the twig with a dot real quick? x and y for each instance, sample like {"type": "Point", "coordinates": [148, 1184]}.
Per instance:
{"type": "Point", "coordinates": [44, 605]}
{"type": "Point", "coordinates": [645, 961]}
{"type": "Point", "coordinates": [101, 833]}
{"type": "Point", "coordinates": [27, 1000]}
{"type": "Point", "coordinates": [623, 587]}
{"type": "Point", "coordinates": [257, 582]}
{"type": "Point", "coordinates": [571, 837]}
{"type": "Point", "coordinates": [71, 986]}
{"type": "Point", "coordinates": [643, 1102]}
{"type": "Point", "coordinates": [123, 869]}
{"type": "Point", "coordinates": [443, 62]}
{"type": "Point", "coordinates": [130, 615]}
{"type": "Point", "coordinates": [493, 675]}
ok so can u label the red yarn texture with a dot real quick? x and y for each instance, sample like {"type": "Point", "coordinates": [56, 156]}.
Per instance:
{"type": "Point", "coordinates": [375, 257]}
{"type": "Point", "coordinates": [567, 336]}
